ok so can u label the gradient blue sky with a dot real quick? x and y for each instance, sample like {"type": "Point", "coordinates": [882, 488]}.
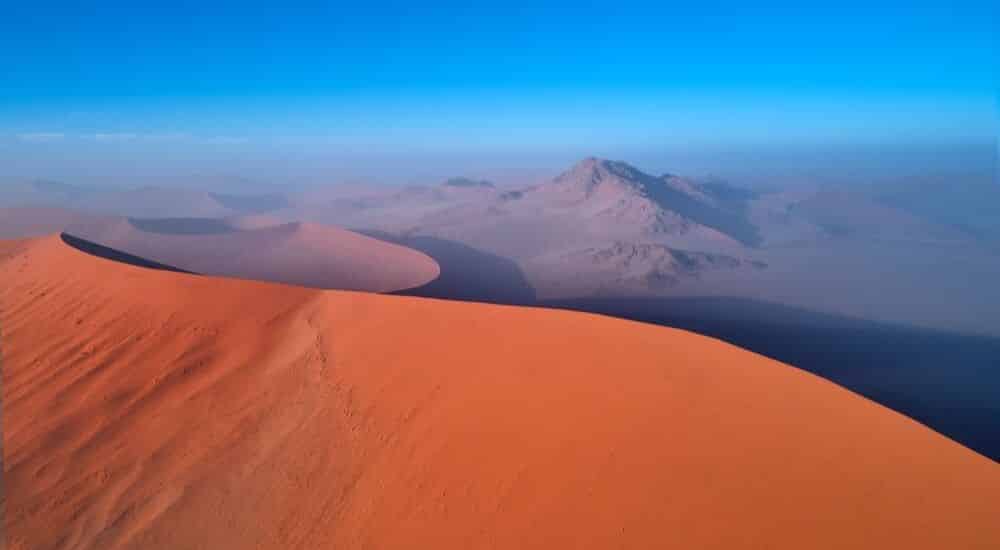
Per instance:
{"type": "Point", "coordinates": [407, 90]}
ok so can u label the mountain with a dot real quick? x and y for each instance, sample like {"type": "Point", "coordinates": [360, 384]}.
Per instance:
{"type": "Point", "coordinates": [575, 232]}
{"type": "Point", "coordinates": [618, 193]}
{"type": "Point", "coordinates": [624, 268]}
{"type": "Point", "coordinates": [594, 202]}
{"type": "Point", "coordinates": [599, 202]}
{"type": "Point", "coordinates": [825, 248]}
{"type": "Point", "coordinates": [150, 409]}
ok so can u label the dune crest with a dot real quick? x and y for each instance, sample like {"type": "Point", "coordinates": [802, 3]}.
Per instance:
{"type": "Point", "coordinates": [149, 409]}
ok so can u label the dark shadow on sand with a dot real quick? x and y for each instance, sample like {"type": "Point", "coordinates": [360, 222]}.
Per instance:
{"type": "Point", "coordinates": [101, 251]}
{"type": "Point", "coordinates": [467, 274]}
{"type": "Point", "coordinates": [182, 226]}
{"type": "Point", "coordinates": [251, 204]}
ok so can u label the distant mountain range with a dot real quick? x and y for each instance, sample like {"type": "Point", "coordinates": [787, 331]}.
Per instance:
{"type": "Point", "coordinates": [604, 227]}
{"type": "Point", "coordinates": [599, 214]}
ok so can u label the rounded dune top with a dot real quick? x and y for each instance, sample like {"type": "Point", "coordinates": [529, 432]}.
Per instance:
{"type": "Point", "coordinates": [141, 412]}
{"type": "Point", "coordinates": [264, 249]}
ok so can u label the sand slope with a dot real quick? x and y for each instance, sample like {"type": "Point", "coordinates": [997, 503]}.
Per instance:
{"type": "Point", "coordinates": [147, 409]}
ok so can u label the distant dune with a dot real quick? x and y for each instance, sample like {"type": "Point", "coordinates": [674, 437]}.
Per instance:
{"type": "Point", "coordinates": [294, 253]}
{"type": "Point", "coordinates": [251, 247]}
{"type": "Point", "coordinates": [155, 410]}
{"type": "Point", "coordinates": [144, 202]}
{"type": "Point", "coordinates": [157, 202]}
{"type": "Point", "coordinates": [34, 221]}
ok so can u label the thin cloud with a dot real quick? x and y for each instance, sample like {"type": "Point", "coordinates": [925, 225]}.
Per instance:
{"type": "Point", "coordinates": [114, 137]}
{"type": "Point", "coordinates": [40, 137]}
{"type": "Point", "coordinates": [183, 137]}
{"type": "Point", "coordinates": [223, 140]}
{"type": "Point", "coordinates": [170, 136]}
{"type": "Point", "coordinates": [119, 137]}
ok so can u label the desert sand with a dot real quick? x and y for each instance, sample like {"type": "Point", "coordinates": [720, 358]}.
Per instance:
{"type": "Point", "coordinates": [149, 409]}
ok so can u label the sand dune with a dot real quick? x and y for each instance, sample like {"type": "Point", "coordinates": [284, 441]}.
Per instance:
{"type": "Point", "coordinates": [294, 253]}
{"type": "Point", "coordinates": [148, 409]}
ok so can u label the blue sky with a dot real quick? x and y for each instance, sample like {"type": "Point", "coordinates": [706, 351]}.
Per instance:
{"type": "Point", "coordinates": [506, 83]}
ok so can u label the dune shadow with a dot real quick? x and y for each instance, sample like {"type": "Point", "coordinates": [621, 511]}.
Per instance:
{"type": "Point", "coordinates": [182, 226]}
{"type": "Point", "coordinates": [947, 381]}
{"type": "Point", "coordinates": [467, 273]}
{"type": "Point", "coordinates": [107, 253]}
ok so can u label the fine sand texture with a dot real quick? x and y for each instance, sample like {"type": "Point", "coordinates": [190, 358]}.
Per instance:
{"type": "Point", "coordinates": [157, 410]}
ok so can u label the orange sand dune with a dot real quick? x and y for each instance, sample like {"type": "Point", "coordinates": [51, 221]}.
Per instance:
{"type": "Point", "coordinates": [147, 409]}
{"type": "Point", "coordinates": [295, 253]}
{"type": "Point", "coordinates": [250, 247]}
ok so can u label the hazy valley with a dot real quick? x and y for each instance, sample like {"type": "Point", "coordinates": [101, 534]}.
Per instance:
{"type": "Point", "coordinates": [601, 228]}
